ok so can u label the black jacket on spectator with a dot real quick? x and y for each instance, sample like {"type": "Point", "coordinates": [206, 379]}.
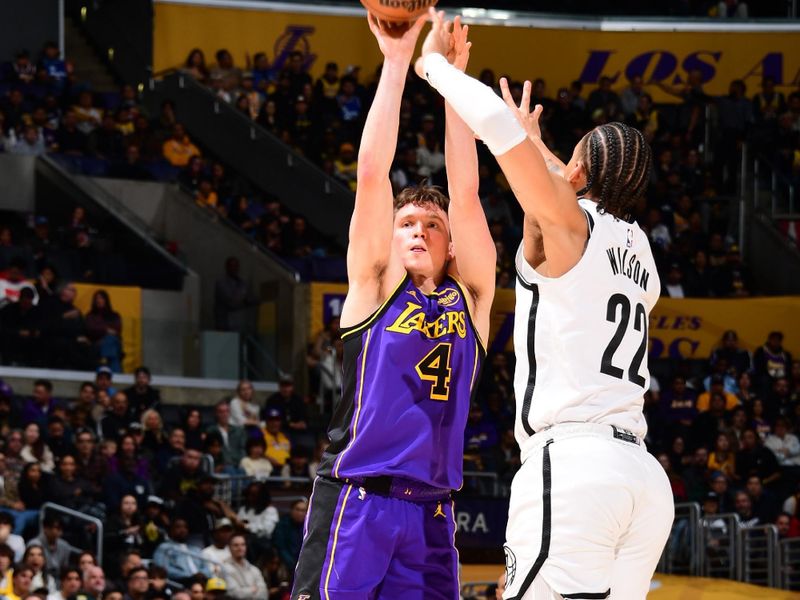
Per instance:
{"type": "Point", "coordinates": [758, 461]}
{"type": "Point", "coordinates": [142, 401]}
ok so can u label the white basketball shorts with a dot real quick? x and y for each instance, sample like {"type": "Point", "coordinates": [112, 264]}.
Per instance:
{"type": "Point", "coordinates": [590, 513]}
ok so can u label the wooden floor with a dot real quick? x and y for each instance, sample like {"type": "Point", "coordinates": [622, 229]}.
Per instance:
{"type": "Point", "coordinates": [668, 587]}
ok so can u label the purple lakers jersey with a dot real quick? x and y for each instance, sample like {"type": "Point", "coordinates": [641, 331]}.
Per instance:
{"type": "Point", "coordinates": [409, 373]}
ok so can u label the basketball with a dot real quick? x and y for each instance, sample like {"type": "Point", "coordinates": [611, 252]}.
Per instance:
{"type": "Point", "coordinates": [398, 11]}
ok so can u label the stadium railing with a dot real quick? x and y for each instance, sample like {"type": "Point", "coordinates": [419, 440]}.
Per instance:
{"type": "Point", "coordinates": [757, 555]}
{"type": "Point", "coordinates": [682, 555]}
{"type": "Point", "coordinates": [230, 488]}
{"type": "Point", "coordinates": [720, 537]}
{"type": "Point", "coordinates": [74, 514]}
{"type": "Point", "coordinates": [789, 564]}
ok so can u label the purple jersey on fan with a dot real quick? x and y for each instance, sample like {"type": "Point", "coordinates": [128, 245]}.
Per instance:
{"type": "Point", "coordinates": [409, 372]}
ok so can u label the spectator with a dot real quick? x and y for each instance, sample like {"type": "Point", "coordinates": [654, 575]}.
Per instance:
{"type": "Point", "coordinates": [244, 411]}
{"type": "Point", "coordinates": [292, 405]}
{"type": "Point", "coordinates": [732, 8]}
{"type": "Point", "coordinates": [754, 459]}
{"type": "Point", "coordinates": [88, 117]}
{"type": "Point", "coordinates": [30, 143]}
{"type": "Point", "coordinates": [785, 446]}
{"type": "Point", "coordinates": [716, 385]}
{"type": "Point", "coordinates": [175, 447]}
{"type": "Point", "coordinates": [744, 510]}
{"type": "Point", "coordinates": [233, 437]}
{"type": "Point", "coordinates": [21, 582]}
{"type": "Point", "coordinates": [69, 139]}
{"type": "Point", "coordinates": [137, 585]}
{"type": "Point", "coordinates": [21, 326]}
{"type": "Point", "coordinates": [106, 142]}
{"type": "Point", "coordinates": [242, 578]}
{"type": "Point", "coordinates": [255, 463]}
{"type": "Point", "coordinates": [258, 514]}
{"type": "Point", "coordinates": [345, 166]}
{"type": "Point", "coordinates": [69, 584]}
{"type": "Point", "coordinates": [34, 558]}
{"type": "Point", "coordinates": [14, 542]}
{"type": "Point", "coordinates": [40, 407]}
{"type": "Point", "coordinates": [673, 286]}
{"type": "Point", "coordinates": [278, 445]}
{"type": "Point", "coordinates": [89, 465]}
{"type": "Point", "coordinates": [288, 535]}
{"type": "Point", "coordinates": [55, 551]}
{"type": "Point", "coordinates": [183, 476]}
{"type": "Point", "coordinates": [117, 422]}
{"type": "Point", "coordinates": [179, 149]}
{"type": "Point", "coordinates": [69, 344]}
{"type": "Point", "coordinates": [195, 65]}
{"type": "Point", "coordinates": [141, 395]}
{"type": "Point", "coordinates": [180, 561]}
{"type": "Point", "coordinates": [218, 551]}
{"type": "Point", "coordinates": [723, 459]}
{"type": "Point", "coordinates": [232, 296]}
{"type": "Point", "coordinates": [35, 450]}
{"type": "Point", "coordinates": [771, 361]}
{"type": "Point", "coordinates": [126, 481]}
{"type": "Point", "coordinates": [788, 526]}
{"type": "Point", "coordinates": [765, 507]}
{"type": "Point", "coordinates": [67, 489]}
{"type": "Point", "coordinates": [94, 581]}
{"type": "Point", "coordinates": [123, 530]}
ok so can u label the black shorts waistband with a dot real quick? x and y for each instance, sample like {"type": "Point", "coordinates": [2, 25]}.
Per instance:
{"type": "Point", "coordinates": [395, 487]}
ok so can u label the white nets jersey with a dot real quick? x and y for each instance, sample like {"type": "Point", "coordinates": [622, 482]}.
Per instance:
{"type": "Point", "coordinates": [581, 339]}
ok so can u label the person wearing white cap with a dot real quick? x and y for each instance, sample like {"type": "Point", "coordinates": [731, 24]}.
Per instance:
{"type": "Point", "coordinates": [218, 552]}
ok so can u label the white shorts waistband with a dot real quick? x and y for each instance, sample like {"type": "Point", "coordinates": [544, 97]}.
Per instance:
{"type": "Point", "coordinates": [561, 431]}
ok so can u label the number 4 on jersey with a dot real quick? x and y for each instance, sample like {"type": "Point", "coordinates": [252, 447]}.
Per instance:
{"type": "Point", "coordinates": [435, 367]}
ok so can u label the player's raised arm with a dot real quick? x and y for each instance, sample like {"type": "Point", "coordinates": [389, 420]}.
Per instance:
{"type": "Point", "coordinates": [472, 241]}
{"type": "Point", "coordinates": [546, 196]}
{"type": "Point", "coordinates": [530, 122]}
{"type": "Point", "coordinates": [371, 224]}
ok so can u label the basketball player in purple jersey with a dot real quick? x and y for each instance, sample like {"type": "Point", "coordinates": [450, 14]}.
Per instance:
{"type": "Point", "coordinates": [380, 522]}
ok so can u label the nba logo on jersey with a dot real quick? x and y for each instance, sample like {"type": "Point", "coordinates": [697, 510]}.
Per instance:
{"type": "Point", "coordinates": [629, 243]}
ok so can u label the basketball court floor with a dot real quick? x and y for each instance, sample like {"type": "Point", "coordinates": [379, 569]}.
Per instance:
{"type": "Point", "coordinates": [668, 587]}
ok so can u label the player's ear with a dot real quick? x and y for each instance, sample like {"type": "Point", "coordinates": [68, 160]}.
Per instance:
{"type": "Point", "coordinates": [451, 251]}
{"type": "Point", "coordinates": [577, 176]}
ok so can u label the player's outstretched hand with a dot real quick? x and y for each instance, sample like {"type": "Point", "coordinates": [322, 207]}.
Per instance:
{"type": "Point", "coordinates": [438, 40]}
{"type": "Point", "coordinates": [461, 46]}
{"type": "Point", "coordinates": [392, 45]}
{"type": "Point", "coordinates": [529, 120]}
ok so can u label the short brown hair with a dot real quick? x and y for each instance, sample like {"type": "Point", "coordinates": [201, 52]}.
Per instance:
{"type": "Point", "coordinates": [420, 196]}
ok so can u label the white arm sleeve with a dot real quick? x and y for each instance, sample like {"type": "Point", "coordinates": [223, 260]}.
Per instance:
{"type": "Point", "coordinates": [482, 110]}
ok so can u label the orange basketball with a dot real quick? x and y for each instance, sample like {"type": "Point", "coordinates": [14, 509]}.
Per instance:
{"type": "Point", "coordinates": [398, 11]}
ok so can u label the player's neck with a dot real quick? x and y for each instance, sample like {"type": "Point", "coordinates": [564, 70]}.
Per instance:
{"type": "Point", "coordinates": [426, 283]}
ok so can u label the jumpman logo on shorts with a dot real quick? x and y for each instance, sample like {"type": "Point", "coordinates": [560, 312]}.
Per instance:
{"type": "Point", "coordinates": [439, 512]}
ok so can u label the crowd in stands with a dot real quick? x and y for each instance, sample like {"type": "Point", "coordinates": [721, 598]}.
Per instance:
{"type": "Point", "coordinates": [153, 476]}
{"type": "Point", "coordinates": [688, 211]}
{"type": "Point", "coordinates": [175, 524]}
{"type": "Point", "coordinates": [44, 109]}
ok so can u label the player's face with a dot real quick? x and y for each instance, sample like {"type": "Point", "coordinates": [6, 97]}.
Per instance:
{"type": "Point", "coordinates": [422, 239]}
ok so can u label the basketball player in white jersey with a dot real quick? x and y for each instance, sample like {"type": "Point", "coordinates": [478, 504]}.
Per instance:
{"type": "Point", "coordinates": [591, 509]}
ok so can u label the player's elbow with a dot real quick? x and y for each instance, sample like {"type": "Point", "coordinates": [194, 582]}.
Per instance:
{"type": "Point", "coordinates": [369, 171]}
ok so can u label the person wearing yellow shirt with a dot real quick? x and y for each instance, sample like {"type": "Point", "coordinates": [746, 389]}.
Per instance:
{"type": "Point", "coordinates": [179, 149]}
{"type": "Point", "coordinates": [279, 448]}
{"type": "Point", "coordinates": [723, 459]}
{"type": "Point", "coordinates": [717, 386]}
{"type": "Point", "coordinates": [205, 195]}
{"type": "Point", "coordinates": [20, 583]}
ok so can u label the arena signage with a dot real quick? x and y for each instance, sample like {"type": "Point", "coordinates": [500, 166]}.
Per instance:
{"type": "Point", "coordinates": [559, 51]}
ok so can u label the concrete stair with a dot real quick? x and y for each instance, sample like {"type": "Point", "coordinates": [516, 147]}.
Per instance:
{"type": "Point", "coordinates": [88, 67]}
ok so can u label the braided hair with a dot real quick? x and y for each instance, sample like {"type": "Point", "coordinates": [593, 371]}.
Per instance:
{"type": "Point", "coordinates": [617, 160]}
